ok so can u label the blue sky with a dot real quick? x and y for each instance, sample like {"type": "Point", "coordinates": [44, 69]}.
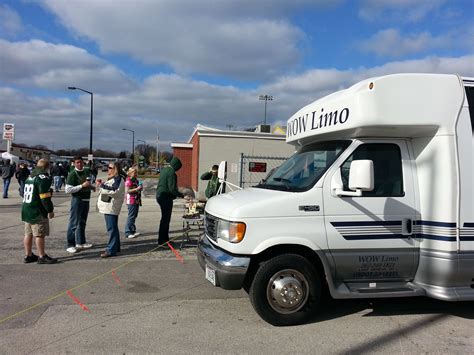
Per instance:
{"type": "Point", "coordinates": [169, 65]}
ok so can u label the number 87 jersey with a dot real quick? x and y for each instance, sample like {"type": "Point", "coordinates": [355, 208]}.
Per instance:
{"type": "Point", "coordinates": [36, 198]}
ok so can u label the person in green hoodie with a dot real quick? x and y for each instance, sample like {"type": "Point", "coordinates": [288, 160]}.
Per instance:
{"type": "Point", "coordinates": [36, 210]}
{"type": "Point", "coordinates": [166, 192]}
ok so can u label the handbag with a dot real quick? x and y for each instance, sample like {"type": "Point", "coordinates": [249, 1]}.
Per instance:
{"type": "Point", "coordinates": [105, 198]}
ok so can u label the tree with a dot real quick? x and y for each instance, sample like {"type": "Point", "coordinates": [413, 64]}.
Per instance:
{"type": "Point", "coordinates": [40, 146]}
{"type": "Point", "coordinates": [104, 153]}
{"type": "Point", "coordinates": [122, 155]}
{"type": "Point", "coordinates": [147, 151]}
{"type": "Point", "coordinates": [161, 160]}
{"type": "Point", "coordinates": [167, 156]}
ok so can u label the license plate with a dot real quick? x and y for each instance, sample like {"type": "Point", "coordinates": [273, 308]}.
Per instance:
{"type": "Point", "coordinates": [211, 275]}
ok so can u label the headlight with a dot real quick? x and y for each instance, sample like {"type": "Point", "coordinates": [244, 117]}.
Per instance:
{"type": "Point", "coordinates": [230, 231]}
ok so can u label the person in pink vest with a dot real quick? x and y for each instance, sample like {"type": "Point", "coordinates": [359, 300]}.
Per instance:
{"type": "Point", "coordinates": [133, 189]}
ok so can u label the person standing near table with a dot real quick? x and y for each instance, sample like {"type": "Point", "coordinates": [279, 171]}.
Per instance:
{"type": "Point", "coordinates": [79, 186]}
{"type": "Point", "coordinates": [166, 192]}
{"type": "Point", "coordinates": [109, 203]}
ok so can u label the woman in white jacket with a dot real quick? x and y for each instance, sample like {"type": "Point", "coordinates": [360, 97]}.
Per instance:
{"type": "Point", "coordinates": [110, 201]}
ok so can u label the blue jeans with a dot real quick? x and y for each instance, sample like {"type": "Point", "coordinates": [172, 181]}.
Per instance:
{"type": "Point", "coordinates": [22, 187]}
{"type": "Point", "coordinates": [130, 227]}
{"type": "Point", "coordinates": [6, 185]}
{"type": "Point", "coordinates": [57, 183]}
{"type": "Point", "coordinates": [111, 222]}
{"type": "Point", "coordinates": [76, 231]}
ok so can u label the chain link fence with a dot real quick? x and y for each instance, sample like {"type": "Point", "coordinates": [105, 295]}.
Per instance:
{"type": "Point", "coordinates": [253, 169]}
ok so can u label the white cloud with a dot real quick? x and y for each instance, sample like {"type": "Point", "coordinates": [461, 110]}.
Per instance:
{"type": "Point", "coordinates": [246, 40]}
{"type": "Point", "coordinates": [398, 10]}
{"type": "Point", "coordinates": [175, 104]}
{"type": "Point", "coordinates": [10, 21]}
{"type": "Point", "coordinates": [55, 66]}
{"type": "Point", "coordinates": [391, 43]}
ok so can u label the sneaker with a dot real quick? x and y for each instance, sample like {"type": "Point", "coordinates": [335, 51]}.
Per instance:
{"type": "Point", "coordinates": [106, 254]}
{"type": "Point", "coordinates": [84, 246]}
{"type": "Point", "coordinates": [72, 250]}
{"type": "Point", "coordinates": [30, 258]}
{"type": "Point", "coordinates": [47, 260]}
{"type": "Point", "coordinates": [131, 236]}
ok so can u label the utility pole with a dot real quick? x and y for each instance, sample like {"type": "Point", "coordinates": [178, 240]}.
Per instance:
{"type": "Point", "coordinates": [157, 152]}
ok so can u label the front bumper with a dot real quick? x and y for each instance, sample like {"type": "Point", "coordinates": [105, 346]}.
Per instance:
{"type": "Point", "coordinates": [230, 269]}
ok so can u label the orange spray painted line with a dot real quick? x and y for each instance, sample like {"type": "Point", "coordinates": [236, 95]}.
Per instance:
{"type": "Point", "coordinates": [178, 255]}
{"type": "Point", "coordinates": [75, 299]}
{"type": "Point", "coordinates": [116, 278]}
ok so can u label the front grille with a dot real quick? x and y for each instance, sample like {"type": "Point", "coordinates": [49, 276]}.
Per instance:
{"type": "Point", "coordinates": [210, 226]}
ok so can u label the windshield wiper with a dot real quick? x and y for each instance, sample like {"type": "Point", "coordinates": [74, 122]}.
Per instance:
{"type": "Point", "coordinates": [285, 181]}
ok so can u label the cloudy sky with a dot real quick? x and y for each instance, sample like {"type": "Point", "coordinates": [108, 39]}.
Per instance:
{"type": "Point", "coordinates": [167, 65]}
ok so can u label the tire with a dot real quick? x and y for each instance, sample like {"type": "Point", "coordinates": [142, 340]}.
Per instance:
{"type": "Point", "coordinates": [300, 290]}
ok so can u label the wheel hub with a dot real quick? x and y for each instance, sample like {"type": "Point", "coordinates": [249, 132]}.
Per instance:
{"type": "Point", "coordinates": [287, 291]}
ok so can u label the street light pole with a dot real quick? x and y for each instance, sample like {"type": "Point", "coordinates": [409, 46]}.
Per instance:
{"type": "Point", "coordinates": [157, 151]}
{"type": "Point", "coordinates": [133, 143]}
{"type": "Point", "coordinates": [266, 98]}
{"type": "Point", "coordinates": [92, 113]}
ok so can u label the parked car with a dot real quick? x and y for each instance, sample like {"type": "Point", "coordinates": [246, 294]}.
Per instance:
{"type": "Point", "coordinates": [153, 169]}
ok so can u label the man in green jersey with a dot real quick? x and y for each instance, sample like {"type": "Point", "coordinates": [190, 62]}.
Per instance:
{"type": "Point", "coordinates": [79, 186]}
{"type": "Point", "coordinates": [36, 209]}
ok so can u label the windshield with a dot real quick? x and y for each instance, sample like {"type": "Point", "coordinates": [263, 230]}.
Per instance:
{"type": "Point", "coordinates": [303, 169]}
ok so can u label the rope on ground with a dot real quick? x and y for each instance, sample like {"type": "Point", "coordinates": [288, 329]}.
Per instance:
{"type": "Point", "coordinates": [95, 278]}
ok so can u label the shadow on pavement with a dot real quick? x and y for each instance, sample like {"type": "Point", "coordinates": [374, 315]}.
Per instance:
{"type": "Point", "coordinates": [333, 309]}
{"type": "Point", "coordinates": [131, 247]}
{"type": "Point", "coordinates": [435, 310]}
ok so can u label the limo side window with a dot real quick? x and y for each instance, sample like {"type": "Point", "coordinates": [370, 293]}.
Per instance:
{"type": "Point", "coordinates": [388, 175]}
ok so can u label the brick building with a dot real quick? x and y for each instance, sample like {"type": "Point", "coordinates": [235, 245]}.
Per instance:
{"type": "Point", "coordinates": [184, 152]}
{"type": "Point", "coordinates": [208, 146]}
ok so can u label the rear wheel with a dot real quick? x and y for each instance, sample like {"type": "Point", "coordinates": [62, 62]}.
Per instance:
{"type": "Point", "coordinates": [286, 290]}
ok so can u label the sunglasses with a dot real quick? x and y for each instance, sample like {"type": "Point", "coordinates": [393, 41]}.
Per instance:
{"type": "Point", "coordinates": [110, 167]}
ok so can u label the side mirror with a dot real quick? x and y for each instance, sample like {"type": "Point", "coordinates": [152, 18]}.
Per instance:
{"type": "Point", "coordinates": [361, 175]}
{"type": "Point", "coordinates": [361, 178]}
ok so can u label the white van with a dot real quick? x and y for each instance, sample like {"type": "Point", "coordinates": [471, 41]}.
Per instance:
{"type": "Point", "coordinates": [376, 202]}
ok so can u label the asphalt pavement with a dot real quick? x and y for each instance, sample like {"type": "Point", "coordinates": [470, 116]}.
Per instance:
{"type": "Point", "coordinates": [151, 299]}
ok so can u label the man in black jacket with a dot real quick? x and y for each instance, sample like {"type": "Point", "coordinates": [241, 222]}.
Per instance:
{"type": "Point", "coordinates": [8, 170]}
{"type": "Point", "coordinates": [21, 175]}
{"type": "Point", "coordinates": [57, 172]}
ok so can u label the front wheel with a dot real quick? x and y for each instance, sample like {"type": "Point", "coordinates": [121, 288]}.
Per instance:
{"type": "Point", "coordinates": [286, 290]}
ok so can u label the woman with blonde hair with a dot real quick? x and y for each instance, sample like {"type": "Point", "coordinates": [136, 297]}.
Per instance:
{"type": "Point", "coordinates": [109, 203]}
{"type": "Point", "coordinates": [133, 189]}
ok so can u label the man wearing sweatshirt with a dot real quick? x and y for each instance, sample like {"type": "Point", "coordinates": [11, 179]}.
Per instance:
{"type": "Point", "coordinates": [79, 186]}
